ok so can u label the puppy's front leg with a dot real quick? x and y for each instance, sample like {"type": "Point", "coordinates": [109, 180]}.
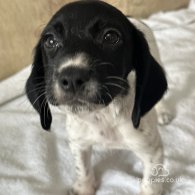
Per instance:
{"type": "Point", "coordinates": [151, 154]}
{"type": "Point", "coordinates": [85, 180]}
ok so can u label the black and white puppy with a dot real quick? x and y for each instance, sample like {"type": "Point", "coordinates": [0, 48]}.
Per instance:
{"type": "Point", "coordinates": [92, 62]}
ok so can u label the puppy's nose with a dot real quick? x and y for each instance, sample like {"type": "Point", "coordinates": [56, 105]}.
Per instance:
{"type": "Point", "coordinates": [72, 78]}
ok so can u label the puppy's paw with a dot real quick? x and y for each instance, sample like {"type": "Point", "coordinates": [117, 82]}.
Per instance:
{"type": "Point", "coordinates": [86, 187]}
{"type": "Point", "coordinates": [164, 117]}
{"type": "Point", "coordinates": [150, 193]}
{"type": "Point", "coordinates": [82, 190]}
{"type": "Point", "coordinates": [151, 190]}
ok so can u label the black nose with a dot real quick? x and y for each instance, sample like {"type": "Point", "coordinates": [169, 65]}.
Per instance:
{"type": "Point", "coordinates": [73, 78]}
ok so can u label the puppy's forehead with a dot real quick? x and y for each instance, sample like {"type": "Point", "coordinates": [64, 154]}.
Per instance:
{"type": "Point", "coordinates": [85, 12]}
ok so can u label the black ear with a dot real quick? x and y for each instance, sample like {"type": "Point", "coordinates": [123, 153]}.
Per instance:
{"type": "Point", "coordinates": [150, 78]}
{"type": "Point", "coordinates": [35, 89]}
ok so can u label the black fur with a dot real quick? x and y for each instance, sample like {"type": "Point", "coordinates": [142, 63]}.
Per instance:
{"type": "Point", "coordinates": [35, 89]}
{"type": "Point", "coordinates": [151, 82]}
{"type": "Point", "coordinates": [81, 27]}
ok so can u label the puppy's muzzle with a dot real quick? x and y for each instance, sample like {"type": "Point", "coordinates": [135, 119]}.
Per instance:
{"type": "Point", "coordinates": [73, 79]}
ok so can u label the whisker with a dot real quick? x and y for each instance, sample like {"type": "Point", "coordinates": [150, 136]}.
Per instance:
{"type": "Point", "coordinates": [107, 92]}
{"type": "Point", "coordinates": [100, 99]}
{"type": "Point", "coordinates": [104, 64]}
{"type": "Point", "coordinates": [39, 97]}
{"type": "Point", "coordinates": [118, 78]}
{"type": "Point", "coordinates": [45, 99]}
{"type": "Point", "coordinates": [115, 85]}
{"type": "Point", "coordinates": [47, 110]}
{"type": "Point", "coordinates": [40, 83]}
{"type": "Point", "coordinates": [38, 88]}
{"type": "Point", "coordinates": [106, 88]}
{"type": "Point", "coordinates": [44, 111]}
{"type": "Point", "coordinates": [99, 62]}
{"type": "Point", "coordinates": [109, 95]}
{"type": "Point", "coordinates": [96, 61]}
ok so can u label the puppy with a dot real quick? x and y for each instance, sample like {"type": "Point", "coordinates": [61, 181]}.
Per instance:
{"type": "Point", "coordinates": [93, 63]}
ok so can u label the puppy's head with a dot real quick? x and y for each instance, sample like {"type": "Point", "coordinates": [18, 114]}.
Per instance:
{"type": "Point", "coordinates": [83, 58]}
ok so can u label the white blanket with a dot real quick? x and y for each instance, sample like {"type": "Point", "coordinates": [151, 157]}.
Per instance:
{"type": "Point", "coordinates": [36, 162]}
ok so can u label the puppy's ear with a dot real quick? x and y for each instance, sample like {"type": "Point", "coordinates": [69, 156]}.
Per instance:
{"type": "Point", "coordinates": [150, 78]}
{"type": "Point", "coordinates": [35, 89]}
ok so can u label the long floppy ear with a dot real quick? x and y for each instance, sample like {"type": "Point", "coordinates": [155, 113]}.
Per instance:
{"type": "Point", "coordinates": [150, 78]}
{"type": "Point", "coordinates": [35, 89]}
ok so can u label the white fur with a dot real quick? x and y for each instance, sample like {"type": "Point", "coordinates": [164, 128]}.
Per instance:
{"type": "Point", "coordinates": [80, 59]}
{"type": "Point", "coordinates": [165, 116]}
{"type": "Point", "coordinates": [111, 127]}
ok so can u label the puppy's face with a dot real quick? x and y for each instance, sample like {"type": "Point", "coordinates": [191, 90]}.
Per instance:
{"type": "Point", "coordinates": [83, 49]}
{"type": "Point", "coordinates": [83, 58]}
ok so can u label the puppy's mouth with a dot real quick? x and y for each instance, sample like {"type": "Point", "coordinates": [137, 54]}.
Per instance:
{"type": "Point", "coordinates": [75, 101]}
{"type": "Point", "coordinates": [87, 96]}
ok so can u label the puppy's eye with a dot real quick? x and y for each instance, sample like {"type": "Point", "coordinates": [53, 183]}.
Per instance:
{"type": "Point", "coordinates": [111, 37]}
{"type": "Point", "coordinates": [50, 42]}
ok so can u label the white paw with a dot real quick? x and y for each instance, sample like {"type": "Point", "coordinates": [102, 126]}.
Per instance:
{"type": "Point", "coordinates": [164, 117]}
{"type": "Point", "coordinates": [79, 191]}
{"type": "Point", "coordinates": [146, 192]}
{"type": "Point", "coordinates": [153, 189]}
{"type": "Point", "coordinates": [84, 188]}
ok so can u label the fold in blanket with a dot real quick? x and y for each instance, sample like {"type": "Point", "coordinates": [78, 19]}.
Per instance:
{"type": "Point", "coordinates": [13, 87]}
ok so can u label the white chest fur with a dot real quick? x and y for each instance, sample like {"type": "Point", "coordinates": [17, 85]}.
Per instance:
{"type": "Point", "coordinates": [100, 127]}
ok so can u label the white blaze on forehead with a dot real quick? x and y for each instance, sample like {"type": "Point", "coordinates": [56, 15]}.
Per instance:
{"type": "Point", "coordinates": [78, 60]}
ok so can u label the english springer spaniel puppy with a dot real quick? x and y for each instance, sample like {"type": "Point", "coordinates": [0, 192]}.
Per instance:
{"type": "Point", "coordinates": [96, 65]}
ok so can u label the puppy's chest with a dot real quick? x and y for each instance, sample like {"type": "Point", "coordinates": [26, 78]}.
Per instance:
{"type": "Point", "coordinates": [106, 127]}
